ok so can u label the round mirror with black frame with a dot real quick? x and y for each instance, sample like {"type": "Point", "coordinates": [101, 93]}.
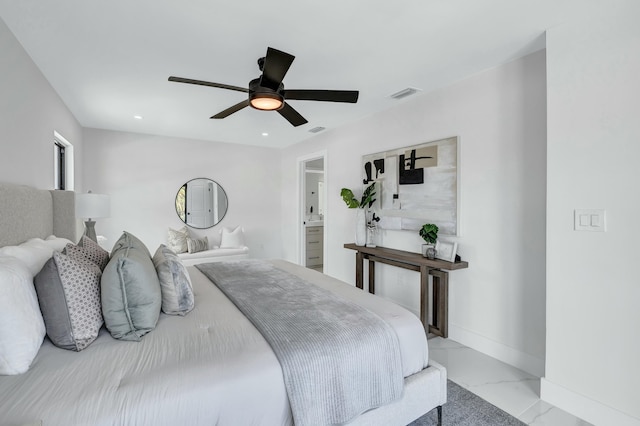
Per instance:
{"type": "Point", "coordinates": [201, 203]}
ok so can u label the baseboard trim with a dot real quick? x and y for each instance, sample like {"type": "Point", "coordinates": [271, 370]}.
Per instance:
{"type": "Point", "coordinates": [585, 408]}
{"type": "Point", "coordinates": [499, 351]}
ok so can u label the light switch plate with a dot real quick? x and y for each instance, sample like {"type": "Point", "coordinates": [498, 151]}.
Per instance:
{"type": "Point", "coordinates": [593, 220]}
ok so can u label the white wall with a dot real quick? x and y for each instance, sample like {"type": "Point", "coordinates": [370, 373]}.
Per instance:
{"type": "Point", "coordinates": [142, 174]}
{"type": "Point", "coordinates": [498, 304]}
{"type": "Point", "coordinates": [30, 111]}
{"type": "Point", "coordinates": [593, 292]}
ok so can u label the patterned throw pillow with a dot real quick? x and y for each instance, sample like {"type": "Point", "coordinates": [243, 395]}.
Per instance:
{"type": "Point", "coordinates": [177, 239]}
{"type": "Point", "coordinates": [90, 250]}
{"type": "Point", "coordinates": [175, 283]}
{"type": "Point", "coordinates": [69, 296]}
{"type": "Point", "coordinates": [196, 245]}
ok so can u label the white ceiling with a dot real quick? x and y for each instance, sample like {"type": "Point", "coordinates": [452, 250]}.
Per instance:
{"type": "Point", "coordinates": [110, 60]}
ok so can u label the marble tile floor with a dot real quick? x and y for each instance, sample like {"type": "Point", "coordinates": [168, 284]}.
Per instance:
{"type": "Point", "coordinates": [504, 386]}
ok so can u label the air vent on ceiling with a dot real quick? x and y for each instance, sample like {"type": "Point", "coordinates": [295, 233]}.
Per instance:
{"type": "Point", "coordinates": [317, 129]}
{"type": "Point", "coordinates": [405, 92]}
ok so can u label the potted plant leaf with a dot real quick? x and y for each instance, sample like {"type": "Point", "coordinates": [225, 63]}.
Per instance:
{"type": "Point", "coordinates": [429, 233]}
{"type": "Point", "coordinates": [366, 201]}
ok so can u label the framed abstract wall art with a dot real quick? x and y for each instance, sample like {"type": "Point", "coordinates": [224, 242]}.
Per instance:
{"type": "Point", "coordinates": [416, 185]}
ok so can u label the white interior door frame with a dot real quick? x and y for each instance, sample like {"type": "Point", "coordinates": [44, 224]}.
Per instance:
{"type": "Point", "coordinates": [300, 229]}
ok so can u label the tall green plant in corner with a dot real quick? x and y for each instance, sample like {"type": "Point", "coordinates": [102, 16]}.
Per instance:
{"type": "Point", "coordinates": [367, 199]}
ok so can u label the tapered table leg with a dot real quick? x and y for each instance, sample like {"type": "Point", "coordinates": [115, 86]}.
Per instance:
{"type": "Point", "coordinates": [359, 260]}
{"type": "Point", "coordinates": [424, 297]}
{"type": "Point", "coordinates": [372, 277]}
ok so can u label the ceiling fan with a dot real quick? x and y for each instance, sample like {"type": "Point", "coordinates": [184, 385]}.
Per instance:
{"type": "Point", "coordinates": [267, 93]}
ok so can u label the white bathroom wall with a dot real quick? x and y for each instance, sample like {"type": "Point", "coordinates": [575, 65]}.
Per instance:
{"type": "Point", "coordinates": [498, 304]}
{"type": "Point", "coordinates": [593, 345]}
{"type": "Point", "coordinates": [311, 192]}
{"type": "Point", "coordinates": [142, 174]}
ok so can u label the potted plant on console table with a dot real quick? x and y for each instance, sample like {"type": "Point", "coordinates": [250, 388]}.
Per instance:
{"type": "Point", "coordinates": [361, 218]}
{"type": "Point", "coordinates": [429, 233]}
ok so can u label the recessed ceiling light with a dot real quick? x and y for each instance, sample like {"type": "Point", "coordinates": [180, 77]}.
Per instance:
{"type": "Point", "coordinates": [137, 117]}
{"type": "Point", "coordinates": [317, 129]}
{"type": "Point", "coordinates": [265, 134]}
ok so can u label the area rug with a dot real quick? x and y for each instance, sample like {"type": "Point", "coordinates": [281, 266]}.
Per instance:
{"type": "Point", "coordinates": [464, 408]}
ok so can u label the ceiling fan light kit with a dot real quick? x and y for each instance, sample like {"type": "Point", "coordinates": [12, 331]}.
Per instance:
{"type": "Point", "coordinates": [266, 103]}
{"type": "Point", "coordinates": [267, 93]}
{"type": "Point", "coordinates": [264, 98]}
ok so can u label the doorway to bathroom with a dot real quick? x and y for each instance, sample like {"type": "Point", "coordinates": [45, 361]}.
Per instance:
{"type": "Point", "coordinates": [313, 202]}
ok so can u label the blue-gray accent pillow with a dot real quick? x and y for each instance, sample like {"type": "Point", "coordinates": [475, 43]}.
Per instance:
{"type": "Point", "coordinates": [175, 283]}
{"type": "Point", "coordinates": [131, 296]}
{"type": "Point", "coordinates": [128, 240]}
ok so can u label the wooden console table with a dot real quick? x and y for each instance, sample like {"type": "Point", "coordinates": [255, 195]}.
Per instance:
{"type": "Point", "coordinates": [415, 262]}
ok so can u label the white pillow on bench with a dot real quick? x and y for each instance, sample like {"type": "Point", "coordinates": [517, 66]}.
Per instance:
{"type": "Point", "coordinates": [232, 238]}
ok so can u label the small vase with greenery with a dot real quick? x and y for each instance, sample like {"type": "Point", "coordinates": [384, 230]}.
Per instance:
{"type": "Point", "coordinates": [429, 233]}
{"type": "Point", "coordinates": [366, 201]}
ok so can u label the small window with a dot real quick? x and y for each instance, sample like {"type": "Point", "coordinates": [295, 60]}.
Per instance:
{"type": "Point", "coordinates": [59, 166]}
{"type": "Point", "coordinates": [62, 163]}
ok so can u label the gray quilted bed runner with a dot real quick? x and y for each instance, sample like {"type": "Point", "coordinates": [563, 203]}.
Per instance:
{"type": "Point", "coordinates": [338, 359]}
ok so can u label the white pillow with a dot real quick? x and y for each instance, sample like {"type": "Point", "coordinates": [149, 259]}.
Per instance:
{"type": "Point", "coordinates": [21, 325]}
{"type": "Point", "coordinates": [34, 253]}
{"type": "Point", "coordinates": [57, 243]}
{"type": "Point", "coordinates": [232, 238]}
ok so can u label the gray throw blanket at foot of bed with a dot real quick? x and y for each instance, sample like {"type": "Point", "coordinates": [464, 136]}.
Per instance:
{"type": "Point", "coordinates": [338, 359]}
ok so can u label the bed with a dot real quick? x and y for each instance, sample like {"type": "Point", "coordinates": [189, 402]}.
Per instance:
{"type": "Point", "coordinates": [211, 366]}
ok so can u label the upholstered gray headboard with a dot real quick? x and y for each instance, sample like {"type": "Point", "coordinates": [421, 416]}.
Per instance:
{"type": "Point", "coordinates": [27, 212]}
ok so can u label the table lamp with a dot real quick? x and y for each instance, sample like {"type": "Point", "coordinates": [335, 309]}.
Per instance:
{"type": "Point", "coordinates": [92, 206]}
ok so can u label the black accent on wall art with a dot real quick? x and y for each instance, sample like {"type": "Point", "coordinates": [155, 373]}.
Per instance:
{"type": "Point", "coordinates": [367, 170]}
{"type": "Point", "coordinates": [379, 165]}
{"type": "Point", "coordinates": [415, 157]}
{"type": "Point", "coordinates": [409, 176]}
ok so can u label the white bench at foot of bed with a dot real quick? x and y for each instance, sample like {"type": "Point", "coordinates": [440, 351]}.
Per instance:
{"type": "Point", "coordinates": [214, 255]}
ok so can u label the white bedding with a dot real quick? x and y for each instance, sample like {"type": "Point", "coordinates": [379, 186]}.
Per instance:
{"type": "Point", "coordinates": [209, 367]}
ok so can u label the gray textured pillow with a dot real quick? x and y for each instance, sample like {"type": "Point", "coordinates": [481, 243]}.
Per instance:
{"type": "Point", "coordinates": [69, 295]}
{"type": "Point", "coordinates": [196, 245]}
{"type": "Point", "coordinates": [175, 283]}
{"type": "Point", "coordinates": [177, 239]}
{"type": "Point", "coordinates": [88, 249]}
{"type": "Point", "coordinates": [131, 297]}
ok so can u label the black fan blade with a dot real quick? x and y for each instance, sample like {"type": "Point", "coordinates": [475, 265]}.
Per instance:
{"type": "Point", "coordinates": [237, 107]}
{"type": "Point", "coordinates": [350, 96]}
{"type": "Point", "coordinates": [276, 65]}
{"type": "Point", "coordinates": [292, 115]}
{"type": "Point", "coordinates": [208, 83]}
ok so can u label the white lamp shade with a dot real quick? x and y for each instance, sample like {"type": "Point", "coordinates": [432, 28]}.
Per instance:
{"type": "Point", "coordinates": [92, 206]}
